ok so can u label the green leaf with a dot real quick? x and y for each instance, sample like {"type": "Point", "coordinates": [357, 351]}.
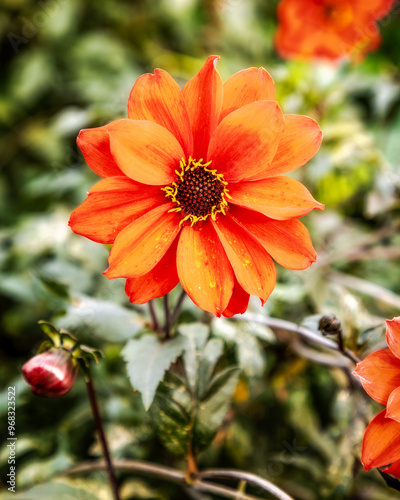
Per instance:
{"type": "Point", "coordinates": [212, 409]}
{"type": "Point", "coordinates": [107, 320]}
{"type": "Point", "coordinates": [147, 359]}
{"type": "Point", "coordinates": [210, 355]}
{"type": "Point", "coordinates": [196, 336]}
{"type": "Point", "coordinates": [52, 490]}
{"type": "Point", "coordinates": [171, 413]}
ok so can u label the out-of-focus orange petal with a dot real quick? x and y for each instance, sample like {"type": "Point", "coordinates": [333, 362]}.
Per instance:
{"type": "Point", "coordinates": [379, 374]}
{"type": "Point", "coordinates": [156, 283]}
{"type": "Point", "coordinates": [246, 86]}
{"type": "Point", "coordinates": [238, 303]}
{"type": "Point", "coordinates": [279, 198]}
{"type": "Point", "coordinates": [112, 204]}
{"type": "Point", "coordinates": [288, 242]}
{"type": "Point", "coordinates": [381, 443]}
{"type": "Point", "coordinates": [158, 98]}
{"type": "Point", "coordinates": [393, 405]}
{"type": "Point", "coordinates": [95, 146]}
{"type": "Point", "coordinates": [246, 140]}
{"type": "Point", "coordinates": [299, 142]}
{"type": "Point", "coordinates": [145, 151]}
{"type": "Point", "coordinates": [253, 267]}
{"type": "Point", "coordinates": [141, 245]}
{"type": "Point", "coordinates": [393, 335]}
{"type": "Point", "coordinates": [204, 269]}
{"type": "Point", "coordinates": [203, 97]}
{"type": "Point", "coordinates": [394, 469]}
{"type": "Point", "coordinates": [376, 8]}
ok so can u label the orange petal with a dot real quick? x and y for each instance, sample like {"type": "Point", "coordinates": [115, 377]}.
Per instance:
{"type": "Point", "coordinates": [141, 245]}
{"type": "Point", "coordinates": [394, 469]}
{"type": "Point", "coordinates": [376, 8]}
{"type": "Point", "coordinates": [112, 204]}
{"type": "Point", "coordinates": [277, 197]}
{"type": "Point", "coordinates": [246, 140]}
{"type": "Point", "coordinates": [393, 405]}
{"type": "Point", "coordinates": [288, 242]}
{"type": "Point", "coordinates": [379, 374]}
{"type": "Point", "coordinates": [381, 443]}
{"type": "Point", "coordinates": [393, 335]}
{"type": "Point", "coordinates": [238, 303]}
{"type": "Point", "coordinates": [247, 86]}
{"type": "Point", "coordinates": [300, 141]}
{"type": "Point", "coordinates": [145, 151]}
{"type": "Point", "coordinates": [156, 283]}
{"type": "Point", "coordinates": [204, 269]}
{"type": "Point", "coordinates": [158, 98]}
{"type": "Point", "coordinates": [95, 146]}
{"type": "Point", "coordinates": [253, 267]}
{"type": "Point", "coordinates": [203, 98]}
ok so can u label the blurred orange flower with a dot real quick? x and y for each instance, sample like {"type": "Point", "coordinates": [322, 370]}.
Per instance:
{"type": "Point", "coordinates": [193, 192]}
{"type": "Point", "coordinates": [379, 374]}
{"type": "Point", "coordinates": [329, 29]}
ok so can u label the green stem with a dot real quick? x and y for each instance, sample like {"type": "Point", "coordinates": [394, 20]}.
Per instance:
{"type": "Point", "coordinates": [100, 429]}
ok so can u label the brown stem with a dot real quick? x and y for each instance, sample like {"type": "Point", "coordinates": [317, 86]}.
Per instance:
{"type": "Point", "coordinates": [100, 429]}
{"type": "Point", "coordinates": [154, 319]}
{"type": "Point", "coordinates": [167, 317]}
{"type": "Point", "coordinates": [178, 306]}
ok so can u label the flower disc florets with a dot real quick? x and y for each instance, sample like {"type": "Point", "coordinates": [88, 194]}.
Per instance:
{"type": "Point", "coordinates": [199, 191]}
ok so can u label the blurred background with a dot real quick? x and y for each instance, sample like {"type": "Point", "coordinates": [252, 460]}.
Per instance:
{"type": "Point", "coordinates": [70, 64]}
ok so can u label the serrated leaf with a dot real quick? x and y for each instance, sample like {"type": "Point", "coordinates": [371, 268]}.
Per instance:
{"type": "Point", "coordinates": [196, 336]}
{"type": "Point", "coordinates": [250, 355]}
{"type": "Point", "coordinates": [108, 320]}
{"type": "Point", "coordinates": [212, 409]}
{"type": "Point", "coordinates": [171, 413]}
{"type": "Point", "coordinates": [147, 360]}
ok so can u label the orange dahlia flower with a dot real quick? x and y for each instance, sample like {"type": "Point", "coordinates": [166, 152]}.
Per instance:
{"type": "Point", "coordinates": [329, 29]}
{"type": "Point", "coordinates": [192, 190]}
{"type": "Point", "coordinates": [380, 376]}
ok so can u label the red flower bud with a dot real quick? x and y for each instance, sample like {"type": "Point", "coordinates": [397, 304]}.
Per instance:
{"type": "Point", "coordinates": [51, 374]}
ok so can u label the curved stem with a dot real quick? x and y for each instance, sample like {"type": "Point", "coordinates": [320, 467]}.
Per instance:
{"type": "Point", "coordinates": [176, 476]}
{"type": "Point", "coordinates": [100, 429]}
{"type": "Point", "coordinates": [248, 477]}
{"type": "Point", "coordinates": [300, 330]}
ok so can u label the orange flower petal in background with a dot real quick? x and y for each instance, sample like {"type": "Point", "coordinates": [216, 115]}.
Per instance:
{"type": "Point", "coordinates": [381, 443]}
{"type": "Point", "coordinates": [329, 29]}
{"type": "Point", "coordinates": [393, 335]}
{"type": "Point", "coordinates": [394, 469]}
{"type": "Point", "coordinates": [182, 173]}
{"type": "Point", "coordinates": [379, 374]}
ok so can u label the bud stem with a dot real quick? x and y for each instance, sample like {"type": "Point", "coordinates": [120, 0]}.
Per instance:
{"type": "Point", "coordinates": [100, 429]}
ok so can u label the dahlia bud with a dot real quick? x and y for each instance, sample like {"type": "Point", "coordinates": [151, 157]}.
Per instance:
{"type": "Point", "coordinates": [52, 373]}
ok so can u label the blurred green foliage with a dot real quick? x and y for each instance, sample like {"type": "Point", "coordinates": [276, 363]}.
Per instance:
{"type": "Point", "coordinates": [70, 64]}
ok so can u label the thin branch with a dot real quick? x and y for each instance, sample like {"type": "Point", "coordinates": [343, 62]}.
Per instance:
{"type": "Point", "coordinates": [300, 330]}
{"type": "Point", "coordinates": [100, 429]}
{"type": "Point", "coordinates": [248, 477]}
{"type": "Point", "coordinates": [178, 306]}
{"type": "Point", "coordinates": [170, 474]}
{"type": "Point", "coordinates": [167, 317]}
{"type": "Point", "coordinates": [154, 319]}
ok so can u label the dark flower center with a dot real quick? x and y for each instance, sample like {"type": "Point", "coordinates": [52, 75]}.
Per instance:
{"type": "Point", "coordinates": [199, 191]}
